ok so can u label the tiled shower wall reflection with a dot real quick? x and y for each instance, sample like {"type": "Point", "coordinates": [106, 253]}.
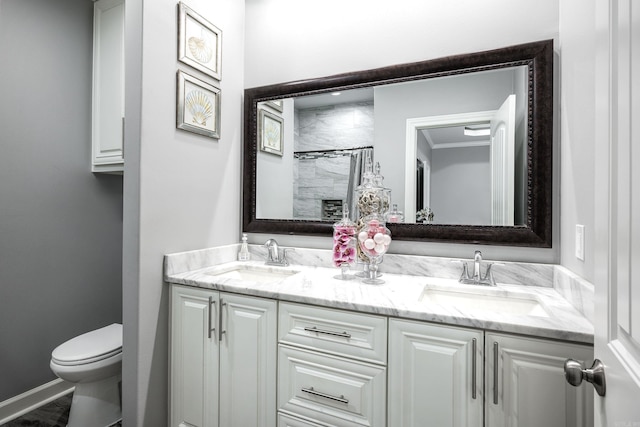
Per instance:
{"type": "Point", "coordinates": [321, 167]}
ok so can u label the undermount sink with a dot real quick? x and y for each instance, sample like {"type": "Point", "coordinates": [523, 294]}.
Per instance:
{"type": "Point", "coordinates": [253, 273]}
{"type": "Point", "coordinates": [485, 300]}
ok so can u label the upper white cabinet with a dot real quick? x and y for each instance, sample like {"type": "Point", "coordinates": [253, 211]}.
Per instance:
{"type": "Point", "coordinates": [223, 359]}
{"type": "Point", "coordinates": [108, 87]}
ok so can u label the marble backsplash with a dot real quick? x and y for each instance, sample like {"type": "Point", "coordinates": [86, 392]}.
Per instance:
{"type": "Point", "coordinates": [577, 291]}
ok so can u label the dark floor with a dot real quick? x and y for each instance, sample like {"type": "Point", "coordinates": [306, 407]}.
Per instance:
{"type": "Point", "coordinates": [53, 414]}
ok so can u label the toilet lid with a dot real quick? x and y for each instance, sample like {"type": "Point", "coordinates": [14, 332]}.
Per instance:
{"type": "Point", "coordinates": [90, 347]}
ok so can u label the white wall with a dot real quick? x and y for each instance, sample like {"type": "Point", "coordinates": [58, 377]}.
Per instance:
{"type": "Point", "coordinates": [313, 41]}
{"type": "Point", "coordinates": [577, 118]}
{"type": "Point", "coordinates": [182, 190]}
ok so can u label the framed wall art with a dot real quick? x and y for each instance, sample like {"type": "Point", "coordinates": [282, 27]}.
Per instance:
{"type": "Point", "coordinates": [199, 42]}
{"type": "Point", "coordinates": [270, 132]}
{"type": "Point", "coordinates": [198, 106]}
{"type": "Point", "coordinates": [275, 104]}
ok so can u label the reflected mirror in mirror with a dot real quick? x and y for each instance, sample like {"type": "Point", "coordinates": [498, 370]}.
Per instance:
{"type": "Point", "coordinates": [468, 137]}
{"type": "Point", "coordinates": [455, 145]}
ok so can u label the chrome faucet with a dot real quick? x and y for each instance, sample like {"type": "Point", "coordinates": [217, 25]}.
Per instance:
{"type": "Point", "coordinates": [273, 253]}
{"type": "Point", "coordinates": [477, 278]}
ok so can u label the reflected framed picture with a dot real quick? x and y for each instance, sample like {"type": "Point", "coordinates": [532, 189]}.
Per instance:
{"type": "Point", "coordinates": [270, 132]}
{"type": "Point", "coordinates": [275, 104]}
{"type": "Point", "coordinates": [198, 106]}
{"type": "Point", "coordinates": [199, 42]}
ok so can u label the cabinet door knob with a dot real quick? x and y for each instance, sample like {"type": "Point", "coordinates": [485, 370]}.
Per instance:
{"type": "Point", "coordinates": [574, 374]}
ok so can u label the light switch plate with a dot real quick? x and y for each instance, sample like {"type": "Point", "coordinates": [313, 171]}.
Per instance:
{"type": "Point", "coordinates": [580, 242]}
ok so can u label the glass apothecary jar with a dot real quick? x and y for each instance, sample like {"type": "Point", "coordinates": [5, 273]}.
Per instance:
{"type": "Point", "coordinates": [344, 245]}
{"type": "Point", "coordinates": [374, 239]}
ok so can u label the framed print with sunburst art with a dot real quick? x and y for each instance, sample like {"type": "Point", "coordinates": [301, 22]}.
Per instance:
{"type": "Point", "coordinates": [199, 42]}
{"type": "Point", "coordinates": [198, 106]}
{"type": "Point", "coordinates": [275, 104]}
{"type": "Point", "coordinates": [270, 132]}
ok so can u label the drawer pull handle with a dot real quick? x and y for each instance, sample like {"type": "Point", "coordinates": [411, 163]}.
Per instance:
{"type": "Point", "coordinates": [324, 331]}
{"type": "Point", "coordinates": [210, 328]}
{"type": "Point", "coordinates": [495, 373]}
{"type": "Point", "coordinates": [473, 368]}
{"type": "Point", "coordinates": [340, 399]}
{"type": "Point", "coordinates": [220, 330]}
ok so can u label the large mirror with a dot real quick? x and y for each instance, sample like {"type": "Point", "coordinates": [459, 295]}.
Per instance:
{"type": "Point", "coordinates": [468, 138]}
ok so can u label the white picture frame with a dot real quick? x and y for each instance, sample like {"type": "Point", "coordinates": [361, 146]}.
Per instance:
{"type": "Point", "coordinates": [199, 42]}
{"type": "Point", "coordinates": [276, 104]}
{"type": "Point", "coordinates": [198, 106]}
{"type": "Point", "coordinates": [270, 132]}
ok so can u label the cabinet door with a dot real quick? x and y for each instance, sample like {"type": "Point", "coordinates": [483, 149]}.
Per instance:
{"type": "Point", "coordinates": [194, 358]}
{"type": "Point", "coordinates": [435, 375]}
{"type": "Point", "coordinates": [108, 86]}
{"type": "Point", "coordinates": [528, 389]}
{"type": "Point", "coordinates": [248, 354]}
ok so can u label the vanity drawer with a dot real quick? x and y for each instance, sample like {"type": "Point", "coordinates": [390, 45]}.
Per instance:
{"type": "Point", "coordinates": [285, 420]}
{"type": "Point", "coordinates": [331, 389]}
{"type": "Point", "coordinates": [339, 332]}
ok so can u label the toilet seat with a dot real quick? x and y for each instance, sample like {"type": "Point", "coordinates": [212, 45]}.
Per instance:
{"type": "Point", "coordinates": [89, 347]}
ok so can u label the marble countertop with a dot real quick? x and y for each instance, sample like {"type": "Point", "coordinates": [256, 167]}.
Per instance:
{"type": "Point", "coordinates": [401, 296]}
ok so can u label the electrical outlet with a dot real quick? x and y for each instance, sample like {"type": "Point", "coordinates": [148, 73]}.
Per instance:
{"type": "Point", "coordinates": [580, 242]}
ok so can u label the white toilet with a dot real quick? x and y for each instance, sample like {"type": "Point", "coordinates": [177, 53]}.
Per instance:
{"type": "Point", "coordinates": [93, 361]}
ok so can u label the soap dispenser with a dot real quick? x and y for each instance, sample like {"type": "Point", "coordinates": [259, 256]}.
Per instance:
{"type": "Point", "coordinates": [243, 254]}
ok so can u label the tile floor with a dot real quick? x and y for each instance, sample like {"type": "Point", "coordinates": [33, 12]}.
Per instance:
{"type": "Point", "coordinates": [53, 414]}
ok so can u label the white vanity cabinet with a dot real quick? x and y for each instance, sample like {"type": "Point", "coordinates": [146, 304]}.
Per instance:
{"type": "Point", "coordinates": [331, 367]}
{"type": "Point", "coordinates": [435, 375]}
{"type": "Point", "coordinates": [108, 87]}
{"type": "Point", "coordinates": [525, 384]}
{"type": "Point", "coordinates": [223, 359]}
{"type": "Point", "coordinates": [436, 378]}
{"type": "Point", "coordinates": [241, 361]}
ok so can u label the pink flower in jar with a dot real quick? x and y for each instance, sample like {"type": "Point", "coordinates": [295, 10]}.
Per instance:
{"type": "Point", "coordinates": [343, 251]}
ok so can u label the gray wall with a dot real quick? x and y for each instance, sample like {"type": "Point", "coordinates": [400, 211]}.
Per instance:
{"type": "Point", "coordinates": [434, 97]}
{"type": "Point", "coordinates": [461, 185]}
{"type": "Point", "coordinates": [60, 225]}
{"type": "Point", "coordinates": [274, 200]}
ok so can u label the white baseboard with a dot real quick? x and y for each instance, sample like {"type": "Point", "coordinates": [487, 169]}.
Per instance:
{"type": "Point", "coordinates": [21, 404]}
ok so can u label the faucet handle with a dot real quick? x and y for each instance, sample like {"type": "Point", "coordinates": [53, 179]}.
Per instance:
{"type": "Point", "coordinates": [284, 259]}
{"type": "Point", "coordinates": [465, 273]}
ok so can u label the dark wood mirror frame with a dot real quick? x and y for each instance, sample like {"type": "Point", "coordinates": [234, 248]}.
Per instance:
{"type": "Point", "coordinates": [537, 56]}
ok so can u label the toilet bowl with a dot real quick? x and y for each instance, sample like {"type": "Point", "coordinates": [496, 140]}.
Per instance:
{"type": "Point", "coordinates": [93, 361]}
